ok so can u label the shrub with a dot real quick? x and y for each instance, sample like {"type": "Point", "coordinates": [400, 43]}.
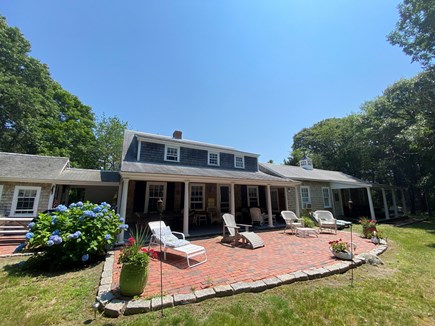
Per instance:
{"type": "Point", "coordinates": [76, 234]}
{"type": "Point", "coordinates": [308, 222]}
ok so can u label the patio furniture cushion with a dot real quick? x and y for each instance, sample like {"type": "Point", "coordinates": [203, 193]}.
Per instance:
{"type": "Point", "coordinates": [168, 238]}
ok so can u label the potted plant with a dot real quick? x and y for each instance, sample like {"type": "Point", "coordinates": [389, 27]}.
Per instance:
{"type": "Point", "coordinates": [378, 237]}
{"type": "Point", "coordinates": [341, 249]}
{"type": "Point", "coordinates": [134, 258]}
{"type": "Point", "coordinates": [368, 226]}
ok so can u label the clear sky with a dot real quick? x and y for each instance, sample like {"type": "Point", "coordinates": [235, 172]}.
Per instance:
{"type": "Point", "coordinates": [245, 74]}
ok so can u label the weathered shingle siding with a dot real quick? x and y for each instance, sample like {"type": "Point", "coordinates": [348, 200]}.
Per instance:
{"type": "Point", "coordinates": [152, 152]}
{"type": "Point", "coordinates": [193, 157]}
{"type": "Point", "coordinates": [251, 163]}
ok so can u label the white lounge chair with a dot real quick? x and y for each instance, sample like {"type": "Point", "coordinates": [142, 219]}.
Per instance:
{"type": "Point", "coordinates": [162, 234]}
{"type": "Point", "coordinates": [292, 221]}
{"type": "Point", "coordinates": [247, 237]}
{"type": "Point", "coordinates": [325, 220]}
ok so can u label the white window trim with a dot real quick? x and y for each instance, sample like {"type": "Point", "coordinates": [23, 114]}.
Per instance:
{"type": "Point", "coordinates": [329, 197]}
{"type": "Point", "coordinates": [309, 196]}
{"type": "Point", "coordinates": [166, 153]}
{"type": "Point", "coordinates": [1, 192]}
{"type": "Point", "coordinates": [256, 189]}
{"type": "Point", "coordinates": [203, 194]}
{"type": "Point", "coordinates": [235, 161]}
{"type": "Point", "coordinates": [15, 200]}
{"type": "Point", "coordinates": [147, 196]}
{"type": "Point", "coordinates": [218, 159]}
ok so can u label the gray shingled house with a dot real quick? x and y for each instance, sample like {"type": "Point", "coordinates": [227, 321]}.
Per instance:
{"type": "Point", "coordinates": [31, 183]}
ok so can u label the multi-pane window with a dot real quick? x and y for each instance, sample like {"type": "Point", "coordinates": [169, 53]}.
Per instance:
{"type": "Point", "coordinates": [25, 201]}
{"type": "Point", "coordinates": [213, 158]}
{"type": "Point", "coordinates": [239, 162]}
{"type": "Point", "coordinates": [197, 197]}
{"type": "Point", "coordinates": [155, 192]}
{"type": "Point", "coordinates": [172, 154]}
{"type": "Point", "coordinates": [326, 197]}
{"type": "Point", "coordinates": [305, 196]}
{"type": "Point", "coordinates": [252, 196]}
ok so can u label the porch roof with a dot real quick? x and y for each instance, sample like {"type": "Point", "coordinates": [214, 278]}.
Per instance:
{"type": "Point", "coordinates": [30, 168]}
{"type": "Point", "coordinates": [140, 170]}
{"type": "Point", "coordinates": [337, 180]}
{"type": "Point", "coordinates": [87, 176]}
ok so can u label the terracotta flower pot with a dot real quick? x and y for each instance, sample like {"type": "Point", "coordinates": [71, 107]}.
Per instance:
{"type": "Point", "coordinates": [132, 280]}
{"type": "Point", "coordinates": [368, 230]}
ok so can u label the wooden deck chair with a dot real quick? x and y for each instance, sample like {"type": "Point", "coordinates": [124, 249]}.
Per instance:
{"type": "Point", "coordinates": [256, 215]}
{"type": "Point", "coordinates": [246, 237]}
{"type": "Point", "coordinates": [325, 220]}
{"type": "Point", "coordinates": [162, 234]}
{"type": "Point", "coordinates": [292, 221]}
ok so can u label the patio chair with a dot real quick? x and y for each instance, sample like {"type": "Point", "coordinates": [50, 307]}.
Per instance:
{"type": "Point", "coordinates": [247, 237]}
{"type": "Point", "coordinates": [292, 221]}
{"type": "Point", "coordinates": [162, 234]}
{"type": "Point", "coordinates": [214, 214]}
{"type": "Point", "coordinates": [256, 215]}
{"type": "Point", "coordinates": [325, 220]}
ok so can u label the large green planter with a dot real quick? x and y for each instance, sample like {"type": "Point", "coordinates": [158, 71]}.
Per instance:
{"type": "Point", "coordinates": [132, 280]}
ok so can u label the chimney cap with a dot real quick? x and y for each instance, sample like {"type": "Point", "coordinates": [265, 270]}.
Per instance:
{"type": "Point", "coordinates": [177, 134]}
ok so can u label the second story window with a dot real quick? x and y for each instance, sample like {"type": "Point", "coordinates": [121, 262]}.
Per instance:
{"type": "Point", "coordinates": [213, 158]}
{"type": "Point", "coordinates": [172, 154]}
{"type": "Point", "coordinates": [239, 162]}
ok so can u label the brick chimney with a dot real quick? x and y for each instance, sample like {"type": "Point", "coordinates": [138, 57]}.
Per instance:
{"type": "Point", "coordinates": [177, 134]}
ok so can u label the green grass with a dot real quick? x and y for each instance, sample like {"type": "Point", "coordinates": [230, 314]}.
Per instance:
{"type": "Point", "coordinates": [401, 292]}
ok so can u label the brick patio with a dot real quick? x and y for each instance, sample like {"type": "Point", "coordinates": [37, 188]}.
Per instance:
{"type": "Point", "coordinates": [283, 253]}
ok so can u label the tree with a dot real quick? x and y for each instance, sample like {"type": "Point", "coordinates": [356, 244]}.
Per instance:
{"type": "Point", "coordinates": [109, 134]}
{"type": "Point", "coordinates": [37, 116]}
{"type": "Point", "coordinates": [415, 31]}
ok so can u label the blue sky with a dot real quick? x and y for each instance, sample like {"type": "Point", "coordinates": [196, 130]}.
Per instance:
{"type": "Point", "coordinates": [245, 74]}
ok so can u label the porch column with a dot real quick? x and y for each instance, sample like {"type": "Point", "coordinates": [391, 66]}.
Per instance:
{"type": "Point", "coordinates": [404, 209]}
{"type": "Point", "coordinates": [269, 206]}
{"type": "Point", "coordinates": [186, 208]}
{"type": "Point", "coordinates": [298, 209]}
{"type": "Point", "coordinates": [51, 199]}
{"type": "Point", "coordinates": [286, 198]}
{"type": "Point", "coordinates": [123, 208]}
{"type": "Point", "coordinates": [384, 197]}
{"type": "Point", "coordinates": [372, 209]}
{"type": "Point", "coordinates": [396, 213]}
{"type": "Point", "coordinates": [233, 201]}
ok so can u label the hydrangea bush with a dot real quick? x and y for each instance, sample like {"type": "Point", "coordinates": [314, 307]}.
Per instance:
{"type": "Point", "coordinates": [75, 234]}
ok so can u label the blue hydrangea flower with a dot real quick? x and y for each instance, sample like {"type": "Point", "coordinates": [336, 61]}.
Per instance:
{"type": "Point", "coordinates": [104, 211]}
{"type": "Point", "coordinates": [117, 215]}
{"type": "Point", "coordinates": [107, 236]}
{"type": "Point", "coordinates": [85, 257]}
{"type": "Point", "coordinates": [29, 235]}
{"type": "Point", "coordinates": [105, 204]}
{"type": "Point", "coordinates": [123, 226]}
{"type": "Point", "coordinates": [61, 208]}
{"type": "Point", "coordinates": [53, 220]}
{"type": "Point", "coordinates": [122, 220]}
{"type": "Point", "coordinates": [31, 225]}
{"type": "Point", "coordinates": [100, 214]}
{"type": "Point", "coordinates": [78, 233]}
{"type": "Point", "coordinates": [56, 239]}
{"type": "Point", "coordinates": [55, 232]}
{"type": "Point", "coordinates": [97, 209]}
{"type": "Point", "coordinates": [89, 214]}
{"type": "Point", "coordinates": [79, 204]}
{"type": "Point", "coordinates": [50, 243]}
{"type": "Point", "coordinates": [72, 205]}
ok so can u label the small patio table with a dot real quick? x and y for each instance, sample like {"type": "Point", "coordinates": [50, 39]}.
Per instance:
{"type": "Point", "coordinates": [305, 232]}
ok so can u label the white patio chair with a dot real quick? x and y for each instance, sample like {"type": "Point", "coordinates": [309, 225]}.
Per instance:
{"type": "Point", "coordinates": [325, 220]}
{"type": "Point", "coordinates": [162, 234]}
{"type": "Point", "coordinates": [292, 221]}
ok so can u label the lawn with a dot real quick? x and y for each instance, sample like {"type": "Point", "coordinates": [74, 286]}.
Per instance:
{"type": "Point", "coordinates": [401, 292]}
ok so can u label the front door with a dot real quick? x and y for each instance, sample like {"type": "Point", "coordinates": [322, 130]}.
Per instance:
{"type": "Point", "coordinates": [224, 198]}
{"type": "Point", "coordinates": [274, 199]}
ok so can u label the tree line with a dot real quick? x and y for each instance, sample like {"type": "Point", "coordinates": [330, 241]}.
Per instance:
{"type": "Point", "coordinates": [391, 140]}
{"type": "Point", "coordinates": [37, 116]}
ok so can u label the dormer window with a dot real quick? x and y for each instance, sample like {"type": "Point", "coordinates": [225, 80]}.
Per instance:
{"type": "Point", "coordinates": [172, 153]}
{"type": "Point", "coordinates": [239, 162]}
{"type": "Point", "coordinates": [306, 163]}
{"type": "Point", "coordinates": [213, 159]}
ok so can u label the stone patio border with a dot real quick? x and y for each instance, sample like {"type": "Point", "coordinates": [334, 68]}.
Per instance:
{"type": "Point", "coordinates": [113, 305]}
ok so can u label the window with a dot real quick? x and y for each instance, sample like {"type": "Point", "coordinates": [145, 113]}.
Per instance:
{"type": "Point", "coordinates": [155, 191]}
{"type": "Point", "coordinates": [239, 162]}
{"type": "Point", "coordinates": [172, 154]}
{"type": "Point", "coordinates": [213, 158]}
{"type": "Point", "coordinates": [253, 196]}
{"type": "Point", "coordinates": [197, 197]}
{"type": "Point", "coordinates": [25, 201]}
{"type": "Point", "coordinates": [326, 197]}
{"type": "Point", "coordinates": [305, 197]}
{"type": "Point", "coordinates": [1, 192]}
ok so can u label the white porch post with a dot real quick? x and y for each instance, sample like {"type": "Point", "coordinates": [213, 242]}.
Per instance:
{"type": "Point", "coordinates": [387, 213]}
{"type": "Point", "coordinates": [186, 208]}
{"type": "Point", "coordinates": [286, 198]}
{"type": "Point", "coordinates": [396, 213]}
{"type": "Point", "coordinates": [269, 206]}
{"type": "Point", "coordinates": [404, 209]}
{"type": "Point", "coordinates": [51, 199]}
{"type": "Point", "coordinates": [123, 208]}
{"type": "Point", "coordinates": [232, 201]}
{"type": "Point", "coordinates": [298, 209]}
{"type": "Point", "coordinates": [372, 209]}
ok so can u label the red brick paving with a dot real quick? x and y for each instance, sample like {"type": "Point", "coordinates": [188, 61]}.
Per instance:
{"type": "Point", "coordinates": [8, 244]}
{"type": "Point", "coordinates": [282, 254]}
